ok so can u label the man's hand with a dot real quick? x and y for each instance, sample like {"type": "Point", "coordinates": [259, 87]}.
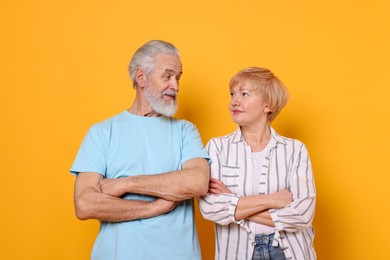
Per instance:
{"type": "Point", "coordinates": [113, 187]}
{"type": "Point", "coordinates": [163, 206]}
{"type": "Point", "coordinates": [218, 187]}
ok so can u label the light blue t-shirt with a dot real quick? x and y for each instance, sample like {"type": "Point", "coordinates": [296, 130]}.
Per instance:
{"type": "Point", "coordinates": [128, 145]}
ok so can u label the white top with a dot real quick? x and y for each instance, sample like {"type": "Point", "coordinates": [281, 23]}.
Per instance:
{"type": "Point", "coordinates": [259, 163]}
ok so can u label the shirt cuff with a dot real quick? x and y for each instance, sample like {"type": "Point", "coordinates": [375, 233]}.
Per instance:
{"type": "Point", "coordinates": [232, 208]}
{"type": "Point", "coordinates": [276, 220]}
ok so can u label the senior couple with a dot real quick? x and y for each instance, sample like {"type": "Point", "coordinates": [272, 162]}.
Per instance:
{"type": "Point", "coordinates": [138, 172]}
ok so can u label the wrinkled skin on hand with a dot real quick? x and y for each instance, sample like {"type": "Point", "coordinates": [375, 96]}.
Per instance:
{"type": "Point", "coordinates": [218, 187]}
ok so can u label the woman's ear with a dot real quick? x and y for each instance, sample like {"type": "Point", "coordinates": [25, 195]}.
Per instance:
{"type": "Point", "coordinates": [140, 77]}
{"type": "Point", "coordinates": [267, 109]}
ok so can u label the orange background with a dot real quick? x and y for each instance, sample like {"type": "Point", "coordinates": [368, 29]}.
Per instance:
{"type": "Point", "coordinates": [63, 67]}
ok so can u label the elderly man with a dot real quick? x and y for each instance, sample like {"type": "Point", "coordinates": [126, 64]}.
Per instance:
{"type": "Point", "coordinates": [137, 172]}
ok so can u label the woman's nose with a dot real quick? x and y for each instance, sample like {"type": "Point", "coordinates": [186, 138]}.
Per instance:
{"type": "Point", "coordinates": [235, 101]}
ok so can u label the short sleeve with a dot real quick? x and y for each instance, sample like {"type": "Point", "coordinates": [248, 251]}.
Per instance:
{"type": "Point", "coordinates": [91, 156]}
{"type": "Point", "coordinates": [192, 146]}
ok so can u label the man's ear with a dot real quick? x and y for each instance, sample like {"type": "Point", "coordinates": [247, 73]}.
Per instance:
{"type": "Point", "coordinates": [140, 77]}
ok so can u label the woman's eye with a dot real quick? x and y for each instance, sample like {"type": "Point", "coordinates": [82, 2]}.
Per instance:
{"type": "Point", "coordinates": [245, 94]}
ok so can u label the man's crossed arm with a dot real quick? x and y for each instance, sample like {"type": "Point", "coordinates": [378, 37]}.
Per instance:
{"type": "Point", "coordinates": [99, 198]}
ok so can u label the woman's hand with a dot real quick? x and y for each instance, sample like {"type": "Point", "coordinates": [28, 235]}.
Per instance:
{"type": "Point", "coordinates": [280, 199]}
{"type": "Point", "coordinates": [218, 187]}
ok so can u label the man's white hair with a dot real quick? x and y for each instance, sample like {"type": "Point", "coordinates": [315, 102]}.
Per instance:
{"type": "Point", "coordinates": [145, 57]}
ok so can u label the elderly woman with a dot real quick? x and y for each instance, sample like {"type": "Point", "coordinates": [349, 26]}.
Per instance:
{"type": "Point", "coordinates": [261, 194]}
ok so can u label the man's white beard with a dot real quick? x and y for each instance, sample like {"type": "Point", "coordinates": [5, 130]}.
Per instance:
{"type": "Point", "coordinates": [157, 103]}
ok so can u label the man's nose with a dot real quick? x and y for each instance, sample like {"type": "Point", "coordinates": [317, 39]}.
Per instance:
{"type": "Point", "coordinates": [174, 85]}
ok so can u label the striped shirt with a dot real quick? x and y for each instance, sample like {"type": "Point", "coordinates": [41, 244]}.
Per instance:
{"type": "Point", "coordinates": [287, 166]}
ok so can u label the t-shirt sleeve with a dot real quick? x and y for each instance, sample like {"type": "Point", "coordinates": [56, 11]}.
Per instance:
{"type": "Point", "coordinates": [91, 156]}
{"type": "Point", "coordinates": [192, 143]}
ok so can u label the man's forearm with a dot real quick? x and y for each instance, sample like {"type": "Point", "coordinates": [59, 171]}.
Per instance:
{"type": "Point", "coordinates": [190, 182]}
{"type": "Point", "coordinates": [174, 186]}
{"type": "Point", "coordinates": [106, 208]}
{"type": "Point", "coordinates": [91, 203]}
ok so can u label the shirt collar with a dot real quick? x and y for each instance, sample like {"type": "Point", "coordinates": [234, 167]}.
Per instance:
{"type": "Point", "coordinates": [278, 138]}
{"type": "Point", "coordinates": [238, 137]}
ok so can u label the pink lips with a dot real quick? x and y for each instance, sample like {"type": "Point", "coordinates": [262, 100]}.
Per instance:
{"type": "Point", "coordinates": [236, 112]}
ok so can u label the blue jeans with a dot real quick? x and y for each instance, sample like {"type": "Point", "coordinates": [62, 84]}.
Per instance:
{"type": "Point", "coordinates": [264, 249]}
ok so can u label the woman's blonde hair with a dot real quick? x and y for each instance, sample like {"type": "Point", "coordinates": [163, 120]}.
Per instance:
{"type": "Point", "coordinates": [273, 90]}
